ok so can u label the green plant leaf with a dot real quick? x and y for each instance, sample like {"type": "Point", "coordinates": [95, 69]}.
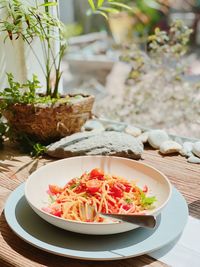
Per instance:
{"type": "Point", "coordinates": [49, 4]}
{"type": "Point", "coordinates": [38, 150]}
{"type": "Point", "coordinates": [100, 3]}
{"type": "Point", "coordinates": [91, 2]}
{"type": "Point", "coordinates": [101, 13]}
{"type": "Point", "coordinates": [120, 5]}
{"type": "Point", "coordinates": [108, 10]}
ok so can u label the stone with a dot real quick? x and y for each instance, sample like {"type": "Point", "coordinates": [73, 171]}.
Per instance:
{"type": "Point", "coordinates": [116, 128]}
{"type": "Point", "coordinates": [157, 137]}
{"type": "Point", "coordinates": [97, 143]}
{"type": "Point", "coordinates": [134, 131]}
{"type": "Point", "coordinates": [184, 153]}
{"type": "Point", "coordinates": [168, 147]}
{"type": "Point", "coordinates": [178, 139]}
{"type": "Point", "coordinates": [193, 159]}
{"type": "Point", "coordinates": [92, 125]}
{"type": "Point", "coordinates": [143, 137]}
{"type": "Point", "coordinates": [187, 149]}
{"type": "Point", "coordinates": [196, 149]}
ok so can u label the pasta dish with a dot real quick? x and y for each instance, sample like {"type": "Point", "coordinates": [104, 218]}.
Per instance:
{"type": "Point", "coordinates": [82, 198]}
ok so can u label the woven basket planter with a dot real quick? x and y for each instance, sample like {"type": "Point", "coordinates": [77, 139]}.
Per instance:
{"type": "Point", "coordinates": [47, 123]}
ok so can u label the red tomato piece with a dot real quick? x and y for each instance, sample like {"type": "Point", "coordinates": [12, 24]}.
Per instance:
{"type": "Point", "coordinates": [101, 219]}
{"type": "Point", "coordinates": [127, 188]}
{"type": "Point", "coordinates": [115, 191]}
{"type": "Point", "coordinates": [81, 188]}
{"type": "Point", "coordinates": [114, 209]}
{"type": "Point", "coordinates": [54, 189]}
{"type": "Point", "coordinates": [133, 190]}
{"type": "Point", "coordinates": [127, 206]}
{"type": "Point", "coordinates": [103, 209]}
{"type": "Point", "coordinates": [57, 213]}
{"type": "Point", "coordinates": [97, 174]}
{"type": "Point", "coordinates": [71, 182]}
{"type": "Point", "coordinates": [93, 185]}
{"type": "Point", "coordinates": [145, 189]}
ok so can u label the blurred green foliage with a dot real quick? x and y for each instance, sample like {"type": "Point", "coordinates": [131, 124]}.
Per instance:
{"type": "Point", "coordinates": [71, 30]}
{"type": "Point", "coordinates": [165, 52]}
{"type": "Point", "coordinates": [147, 13]}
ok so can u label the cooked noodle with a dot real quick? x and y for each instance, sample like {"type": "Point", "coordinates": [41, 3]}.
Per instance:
{"type": "Point", "coordinates": [82, 199]}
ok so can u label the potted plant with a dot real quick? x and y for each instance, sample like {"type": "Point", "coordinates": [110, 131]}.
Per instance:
{"type": "Point", "coordinates": [40, 117]}
{"type": "Point", "coordinates": [31, 116]}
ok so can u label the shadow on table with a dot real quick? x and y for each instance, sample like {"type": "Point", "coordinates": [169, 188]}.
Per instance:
{"type": "Point", "coordinates": [8, 151]}
{"type": "Point", "coordinates": [11, 170]}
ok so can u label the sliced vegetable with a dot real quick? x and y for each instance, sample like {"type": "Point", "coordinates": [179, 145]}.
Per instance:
{"type": "Point", "coordinates": [145, 189]}
{"type": "Point", "coordinates": [97, 173]}
{"type": "Point", "coordinates": [147, 201]}
{"type": "Point", "coordinates": [54, 189]}
{"type": "Point", "coordinates": [93, 185]}
{"type": "Point", "coordinates": [115, 191]}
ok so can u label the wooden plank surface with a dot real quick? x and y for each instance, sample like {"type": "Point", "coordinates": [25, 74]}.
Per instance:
{"type": "Point", "coordinates": [15, 168]}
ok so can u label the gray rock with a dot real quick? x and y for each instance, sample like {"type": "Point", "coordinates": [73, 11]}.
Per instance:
{"type": "Point", "coordinates": [93, 125]}
{"type": "Point", "coordinates": [115, 128]}
{"type": "Point", "coordinates": [168, 147]}
{"type": "Point", "coordinates": [196, 149]}
{"type": "Point", "coordinates": [97, 143]}
{"type": "Point", "coordinates": [187, 149]}
{"type": "Point", "coordinates": [134, 131]}
{"type": "Point", "coordinates": [184, 153]}
{"type": "Point", "coordinates": [157, 137]}
{"type": "Point", "coordinates": [143, 137]}
{"type": "Point", "coordinates": [178, 139]}
{"type": "Point", "coordinates": [193, 159]}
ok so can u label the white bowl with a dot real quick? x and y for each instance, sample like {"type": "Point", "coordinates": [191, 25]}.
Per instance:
{"type": "Point", "coordinates": [61, 171]}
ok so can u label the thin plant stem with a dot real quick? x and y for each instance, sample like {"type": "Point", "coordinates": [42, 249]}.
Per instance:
{"type": "Point", "coordinates": [39, 62]}
{"type": "Point", "coordinates": [48, 54]}
{"type": "Point", "coordinates": [48, 68]}
{"type": "Point", "coordinates": [60, 55]}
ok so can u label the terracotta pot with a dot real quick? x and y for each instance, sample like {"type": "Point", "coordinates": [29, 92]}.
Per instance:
{"type": "Point", "coordinates": [50, 122]}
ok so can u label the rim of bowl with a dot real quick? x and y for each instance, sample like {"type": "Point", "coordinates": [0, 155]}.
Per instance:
{"type": "Point", "coordinates": [98, 223]}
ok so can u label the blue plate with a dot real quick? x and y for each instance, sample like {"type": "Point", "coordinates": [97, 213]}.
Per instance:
{"type": "Point", "coordinates": [37, 232]}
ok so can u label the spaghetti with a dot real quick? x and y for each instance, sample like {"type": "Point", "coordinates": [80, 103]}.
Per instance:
{"type": "Point", "coordinates": [82, 198]}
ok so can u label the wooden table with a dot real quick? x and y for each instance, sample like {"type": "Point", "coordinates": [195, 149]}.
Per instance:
{"type": "Point", "coordinates": [15, 168]}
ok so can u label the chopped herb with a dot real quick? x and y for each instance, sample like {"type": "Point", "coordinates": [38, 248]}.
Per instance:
{"type": "Point", "coordinates": [76, 183]}
{"type": "Point", "coordinates": [73, 186]}
{"type": "Point", "coordinates": [128, 200]}
{"type": "Point", "coordinates": [147, 201]}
